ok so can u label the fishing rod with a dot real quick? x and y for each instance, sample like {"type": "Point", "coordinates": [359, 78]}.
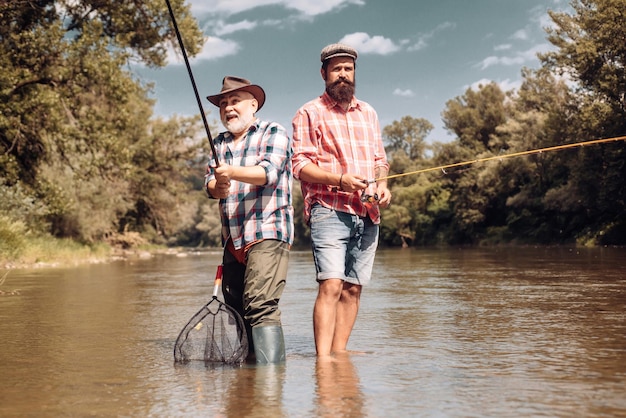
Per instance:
{"type": "Point", "coordinates": [501, 157]}
{"type": "Point", "coordinates": [193, 83]}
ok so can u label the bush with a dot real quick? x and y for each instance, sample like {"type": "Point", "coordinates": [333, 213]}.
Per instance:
{"type": "Point", "coordinates": [22, 208]}
{"type": "Point", "coordinates": [13, 236]}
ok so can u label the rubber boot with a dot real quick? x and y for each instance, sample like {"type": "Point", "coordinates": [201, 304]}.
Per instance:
{"type": "Point", "coordinates": [269, 344]}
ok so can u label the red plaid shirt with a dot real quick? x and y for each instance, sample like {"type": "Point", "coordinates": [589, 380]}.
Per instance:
{"type": "Point", "coordinates": [338, 141]}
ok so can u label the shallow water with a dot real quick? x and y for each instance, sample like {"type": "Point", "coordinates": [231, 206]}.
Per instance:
{"type": "Point", "coordinates": [441, 332]}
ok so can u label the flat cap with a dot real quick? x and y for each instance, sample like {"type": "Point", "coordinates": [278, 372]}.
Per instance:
{"type": "Point", "coordinates": [338, 50]}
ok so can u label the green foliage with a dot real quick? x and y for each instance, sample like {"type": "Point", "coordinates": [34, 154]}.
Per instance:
{"type": "Point", "coordinates": [208, 226]}
{"type": "Point", "coordinates": [12, 238]}
{"type": "Point", "coordinates": [76, 130]}
{"type": "Point", "coordinates": [302, 235]}
{"type": "Point", "coordinates": [408, 135]}
{"type": "Point", "coordinates": [82, 157]}
{"type": "Point", "coordinates": [592, 51]}
{"type": "Point", "coordinates": [19, 206]}
{"type": "Point", "coordinates": [574, 195]}
{"type": "Point", "coordinates": [162, 165]}
{"type": "Point", "coordinates": [475, 116]}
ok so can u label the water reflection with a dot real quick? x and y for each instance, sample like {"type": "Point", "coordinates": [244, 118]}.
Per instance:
{"type": "Point", "coordinates": [256, 391]}
{"type": "Point", "coordinates": [338, 390]}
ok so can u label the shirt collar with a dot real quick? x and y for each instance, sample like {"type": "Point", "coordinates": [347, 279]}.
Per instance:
{"type": "Point", "coordinates": [330, 102]}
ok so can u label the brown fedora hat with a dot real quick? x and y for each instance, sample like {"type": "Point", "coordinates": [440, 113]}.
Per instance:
{"type": "Point", "coordinates": [232, 83]}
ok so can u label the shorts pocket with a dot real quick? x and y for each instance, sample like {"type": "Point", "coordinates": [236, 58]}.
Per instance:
{"type": "Point", "coordinates": [320, 213]}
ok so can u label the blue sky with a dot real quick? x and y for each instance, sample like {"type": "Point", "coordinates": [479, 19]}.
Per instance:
{"type": "Point", "coordinates": [414, 55]}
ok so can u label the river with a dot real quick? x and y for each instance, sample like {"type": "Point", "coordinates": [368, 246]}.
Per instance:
{"type": "Point", "coordinates": [480, 332]}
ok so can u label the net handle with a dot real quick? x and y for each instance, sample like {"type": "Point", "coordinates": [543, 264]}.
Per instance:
{"type": "Point", "coordinates": [218, 281]}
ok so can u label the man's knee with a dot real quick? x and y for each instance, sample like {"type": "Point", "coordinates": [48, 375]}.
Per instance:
{"type": "Point", "coordinates": [351, 291]}
{"type": "Point", "coordinates": [330, 288]}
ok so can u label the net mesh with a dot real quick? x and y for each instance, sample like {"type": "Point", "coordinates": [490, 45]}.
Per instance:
{"type": "Point", "coordinates": [216, 334]}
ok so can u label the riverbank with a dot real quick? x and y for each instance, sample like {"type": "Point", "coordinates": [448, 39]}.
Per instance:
{"type": "Point", "coordinates": [62, 259]}
{"type": "Point", "coordinates": [46, 251]}
{"type": "Point", "coordinates": [51, 252]}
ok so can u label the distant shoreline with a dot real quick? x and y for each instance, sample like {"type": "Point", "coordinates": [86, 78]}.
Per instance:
{"type": "Point", "coordinates": [114, 255]}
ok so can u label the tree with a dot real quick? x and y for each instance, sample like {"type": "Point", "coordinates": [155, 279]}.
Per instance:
{"type": "Point", "coordinates": [540, 116]}
{"type": "Point", "coordinates": [411, 219]}
{"type": "Point", "coordinates": [591, 52]}
{"type": "Point", "coordinates": [72, 115]}
{"type": "Point", "coordinates": [475, 116]}
{"type": "Point", "coordinates": [52, 50]}
{"type": "Point", "coordinates": [408, 135]}
{"type": "Point", "coordinates": [162, 165]}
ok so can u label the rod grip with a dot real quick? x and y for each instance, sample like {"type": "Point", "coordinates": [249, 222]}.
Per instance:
{"type": "Point", "coordinates": [218, 280]}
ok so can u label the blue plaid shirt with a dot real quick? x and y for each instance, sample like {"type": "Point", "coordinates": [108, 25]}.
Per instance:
{"type": "Point", "coordinates": [251, 213]}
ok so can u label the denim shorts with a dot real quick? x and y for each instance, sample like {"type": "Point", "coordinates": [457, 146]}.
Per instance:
{"type": "Point", "coordinates": [344, 245]}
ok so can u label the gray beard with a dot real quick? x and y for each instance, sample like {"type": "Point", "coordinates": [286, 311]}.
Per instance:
{"type": "Point", "coordinates": [238, 125]}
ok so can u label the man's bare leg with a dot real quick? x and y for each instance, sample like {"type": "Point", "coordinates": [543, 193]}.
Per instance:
{"type": "Point", "coordinates": [325, 315]}
{"type": "Point", "coordinates": [346, 313]}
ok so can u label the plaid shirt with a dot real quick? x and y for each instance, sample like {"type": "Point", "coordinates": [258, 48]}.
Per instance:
{"type": "Point", "coordinates": [251, 213]}
{"type": "Point", "coordinates": [340, 142]}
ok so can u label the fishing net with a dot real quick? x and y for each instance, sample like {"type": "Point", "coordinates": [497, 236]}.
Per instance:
{"type": "Point", "coordinates": [215, 334]}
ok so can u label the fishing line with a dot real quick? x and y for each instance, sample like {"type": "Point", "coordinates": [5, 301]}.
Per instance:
{"type": "Point", "coordinates": [193, 83]}
{"type": "Point", "coordinates": [501, 157]}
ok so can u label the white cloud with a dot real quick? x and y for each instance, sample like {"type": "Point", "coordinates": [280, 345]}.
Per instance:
{"type": "Point", "coordinates": [213, 48]}
{"type": "Point", "coordinates": [366, 44]}
{"type": "Point", "coordinates": [306, 7]}
{"type": "Point", "coordinates": [506, 61]}
{"type": "Point", "coordinates": [403, 93]}
{"type": "Point", "coordinates": [502, 47]}
{"type": "Point", "coordinates": [272, 22]}
{"type": "Point", "coordinates": [521, 35]}
{"type": "Point", "coordinates": [505, 85]}
{"type": "Point", "coordinates": [217, 48]}
{"type": "Point", "coordinates": [420, 44]}
{"type": "Point", "coordinates": [220, 28]}
{"type": "Point", "coordinates": [518, 58]}
{"type": "Point", "coordinates": [422, 41]}
{"type": "Point", "coordinates": [541, 18]}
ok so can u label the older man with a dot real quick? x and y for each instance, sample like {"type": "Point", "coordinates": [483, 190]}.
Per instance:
{"type": "Point", "coordinates": [253, 182]}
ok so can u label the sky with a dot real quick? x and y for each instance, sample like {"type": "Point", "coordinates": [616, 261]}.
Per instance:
{"type": "Point", "coordinates": [414, 55]}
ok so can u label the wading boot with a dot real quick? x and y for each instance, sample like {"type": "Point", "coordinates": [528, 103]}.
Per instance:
{"type": "Point", "coordinates": [269, 344]}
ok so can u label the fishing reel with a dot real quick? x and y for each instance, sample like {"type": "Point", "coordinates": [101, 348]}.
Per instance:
{"type": "Point", "coordinates": [369, 198]}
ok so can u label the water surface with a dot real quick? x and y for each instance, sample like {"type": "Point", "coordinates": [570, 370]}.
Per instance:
{"type": "Point", "coordinates": [441, 332]}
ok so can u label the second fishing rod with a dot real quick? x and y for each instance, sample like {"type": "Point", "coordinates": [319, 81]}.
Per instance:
{"type": "Point", "coordinates": [371, 198]}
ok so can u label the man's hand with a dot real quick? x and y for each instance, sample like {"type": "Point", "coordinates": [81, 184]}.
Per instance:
{"type": "Point", "coordinates": [352, 183]}
{"type": "Point", "coordinates": [223, 175]}
{"type": "Point", "coordinates": [384, 195]}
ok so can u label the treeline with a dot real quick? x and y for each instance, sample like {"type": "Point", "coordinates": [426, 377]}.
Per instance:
{"type": "Point", "coordinates": [83, 157]}
{"type": "Point", "coordinates": [575, 195]}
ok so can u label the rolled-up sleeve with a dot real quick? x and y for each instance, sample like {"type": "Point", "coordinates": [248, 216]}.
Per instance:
{"type": "Point", "coordinates": [304, 146]}
{"type": "Point", "coordinates": [277, 151]}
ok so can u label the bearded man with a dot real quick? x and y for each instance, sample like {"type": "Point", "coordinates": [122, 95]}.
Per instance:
{"type": "Point", "coordinates": [338, 149]}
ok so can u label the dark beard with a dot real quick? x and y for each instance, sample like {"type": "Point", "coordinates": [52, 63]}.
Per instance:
{"type": "Point", "coordinates": [341, 93]}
